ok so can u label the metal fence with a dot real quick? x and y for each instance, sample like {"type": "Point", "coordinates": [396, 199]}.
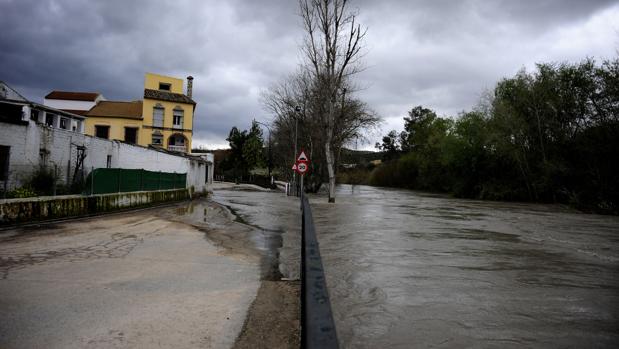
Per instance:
{"type": "Point", "coordinates": [115, 180]}
{"type": "Point", "coordinates": [317, 326]}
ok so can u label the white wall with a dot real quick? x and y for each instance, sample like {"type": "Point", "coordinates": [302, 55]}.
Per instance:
{"type": "Point", "coordinates": [64, 104]}
{"type": "Point", "coordinates": [61, 146]}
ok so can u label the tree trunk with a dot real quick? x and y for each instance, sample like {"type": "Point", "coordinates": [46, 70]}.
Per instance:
{"type": "Point", "coordinates": [330, 169]}
{"type": "Point", "coordinates": [328, 151]}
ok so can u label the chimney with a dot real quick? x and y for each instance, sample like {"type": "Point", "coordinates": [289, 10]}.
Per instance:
{"type": "Point", "coordinates": [189, 86]}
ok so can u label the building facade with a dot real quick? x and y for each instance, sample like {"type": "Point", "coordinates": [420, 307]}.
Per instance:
{"type": "Point", "coordinates": [120, 121]}
{"type": "Point", "coordinates": [168, 113]}
{"type": "Point", "coordinates": [14, 108]}
{"type": "Point", "coordinates": [28, 143]}
{"type": "Point", "coordinates": [163, 119]}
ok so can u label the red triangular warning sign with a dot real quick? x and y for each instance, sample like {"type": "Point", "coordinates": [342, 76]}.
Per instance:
{"type": "Point", "coordinates": [302, 157]}
{"type": "Point", "coordinates": [294, 167]}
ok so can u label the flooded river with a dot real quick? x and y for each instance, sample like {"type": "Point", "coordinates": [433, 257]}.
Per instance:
{"type": "Point", "coordinates": [408, 269]}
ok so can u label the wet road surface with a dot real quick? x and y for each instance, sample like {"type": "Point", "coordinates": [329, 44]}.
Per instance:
{"type": "Point", "coordinates": [277, 220]}
{"type": "Point", "coordinates": [414, 270]}
{"type": "Point", "coordinates": [142, 279]}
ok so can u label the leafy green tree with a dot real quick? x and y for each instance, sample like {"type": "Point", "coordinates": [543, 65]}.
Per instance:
{"type": "Point", "coordinates": [246, 150]}
{"type": "Point", "coordinates": [390, 145]}
{"type": "Point", "coordinates": [551, 135]}
{"type": "Point", "coordinates": [416, 127]}
{"type": "Point", "coordinates": [253, 154]}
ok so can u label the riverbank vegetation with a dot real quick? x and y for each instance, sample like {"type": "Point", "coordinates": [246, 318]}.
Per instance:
{"type": "Point", "coordinates": [551, 135]}
{"type": "Point", "coordinates": [245, 154]}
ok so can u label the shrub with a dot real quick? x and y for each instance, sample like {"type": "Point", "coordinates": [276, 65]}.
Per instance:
{"type": "Point", "coordinates": [42, 181]}
{"type": "Point", "coordinates": [23, 192]}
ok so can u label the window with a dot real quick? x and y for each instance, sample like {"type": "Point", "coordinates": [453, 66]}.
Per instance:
{"type": "Point", "coordinates": [43, 155]}
{"type": "Point", "coordinates": [158, 115]}
{"type": "Point", "coordinates": [63, 123]}
{"type": "Point", "coordinates": [164, 87]}
{"type": "Point", "coordinates": [5, 151]}
{"type": "Point", "coordinates": [109, 161]}
{"type": "Point", "coordinates": [157, 139]}
{"type": "Point", "coordinates": [102, 131]}
{"type": "Point", "coordinates": [131, 135]}
{"type": "Point", "coordinates": [49, 120]}
{"type": "Point", "coordinates": [178, 118]}
{"type": "Point", "coordinates": [177, 140]}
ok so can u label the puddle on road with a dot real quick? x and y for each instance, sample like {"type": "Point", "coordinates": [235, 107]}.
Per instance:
{"type": "Point", "coordinates": [244, 238]}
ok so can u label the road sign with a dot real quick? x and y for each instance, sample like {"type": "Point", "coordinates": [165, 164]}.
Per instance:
{"type": "Point", "coordinates": [302, 168]}
{"type": "Point", "coordinates": [294, 167]}
{"type": "Point", "coordinates": [302, 157]}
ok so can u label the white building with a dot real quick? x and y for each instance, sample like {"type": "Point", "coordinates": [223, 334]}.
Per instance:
{"type": "Point", "coordinates": [14, 108]}
{"type": "Point", "coordinates": [73, 102]}
{"type": "Point", "coordinates": [34, 136]}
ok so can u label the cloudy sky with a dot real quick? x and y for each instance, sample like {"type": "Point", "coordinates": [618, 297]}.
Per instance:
{"type": "Point", "coordinates": [440, 54]}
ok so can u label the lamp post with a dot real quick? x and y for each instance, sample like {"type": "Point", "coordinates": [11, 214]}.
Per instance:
{"type": "Point", "coordinates": [270, 164]}
{"type": "Point", "coordinates": [295, 115]}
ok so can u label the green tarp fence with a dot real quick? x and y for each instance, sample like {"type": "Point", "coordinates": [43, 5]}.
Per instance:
{"type": "Point", "coordinates": [115, 180]}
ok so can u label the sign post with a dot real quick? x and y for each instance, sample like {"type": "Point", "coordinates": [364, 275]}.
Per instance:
{"type": "Point", "coordinates": [301, 166]}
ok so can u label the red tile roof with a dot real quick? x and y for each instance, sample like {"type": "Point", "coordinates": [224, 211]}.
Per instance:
{"type": "Point", "coordinates": [73, 96]}
{"type": "Point", "coordinates": [127, 110]}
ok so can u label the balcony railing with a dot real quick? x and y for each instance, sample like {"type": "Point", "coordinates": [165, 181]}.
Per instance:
{"type": "Point", "coordinates": [180, 148]}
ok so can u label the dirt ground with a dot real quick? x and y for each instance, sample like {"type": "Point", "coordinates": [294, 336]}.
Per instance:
{"type": "Point", "coordinates": [273, 319]}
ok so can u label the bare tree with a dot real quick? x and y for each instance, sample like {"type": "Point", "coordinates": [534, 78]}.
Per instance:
{"type": "Point", "coordinates": [352, 117]}
{"type": "Point", "coordinates": [332, 48]}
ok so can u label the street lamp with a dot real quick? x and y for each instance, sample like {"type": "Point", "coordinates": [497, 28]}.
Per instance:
{"type": "Point", "coordinates": [297, 110]}
{"type": "Point", "coordinates": [270, 165]}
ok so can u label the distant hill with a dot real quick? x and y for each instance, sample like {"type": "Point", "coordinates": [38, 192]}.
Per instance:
{"type": "Point", "coordinates": [359, 157]}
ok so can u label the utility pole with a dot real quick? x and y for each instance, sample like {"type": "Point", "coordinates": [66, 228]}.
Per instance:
{"type": "Point", "coordinates": [297, 110]}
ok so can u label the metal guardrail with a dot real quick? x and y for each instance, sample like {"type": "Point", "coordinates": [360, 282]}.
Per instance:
{"type": "Point", "coordinates": [317, 326]}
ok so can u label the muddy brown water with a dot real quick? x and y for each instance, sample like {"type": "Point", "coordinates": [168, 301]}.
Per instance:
{"type": "Point", "coordinates": [408, 269]}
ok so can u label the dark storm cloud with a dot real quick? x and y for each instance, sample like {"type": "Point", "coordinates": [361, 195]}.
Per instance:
{"type": "Point", "coordinates": [442, 54]}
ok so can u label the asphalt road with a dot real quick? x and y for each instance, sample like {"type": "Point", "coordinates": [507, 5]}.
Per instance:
{"type": "Point", "coordinates": [133, 280]}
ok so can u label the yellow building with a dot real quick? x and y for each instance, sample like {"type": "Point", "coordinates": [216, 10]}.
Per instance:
{"type": "Point", "coordinates": [163, 119]}
{"type": "Point", "coordinates": [167, 112]}
{"type": "Point", "coordinates": [116, 120]}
